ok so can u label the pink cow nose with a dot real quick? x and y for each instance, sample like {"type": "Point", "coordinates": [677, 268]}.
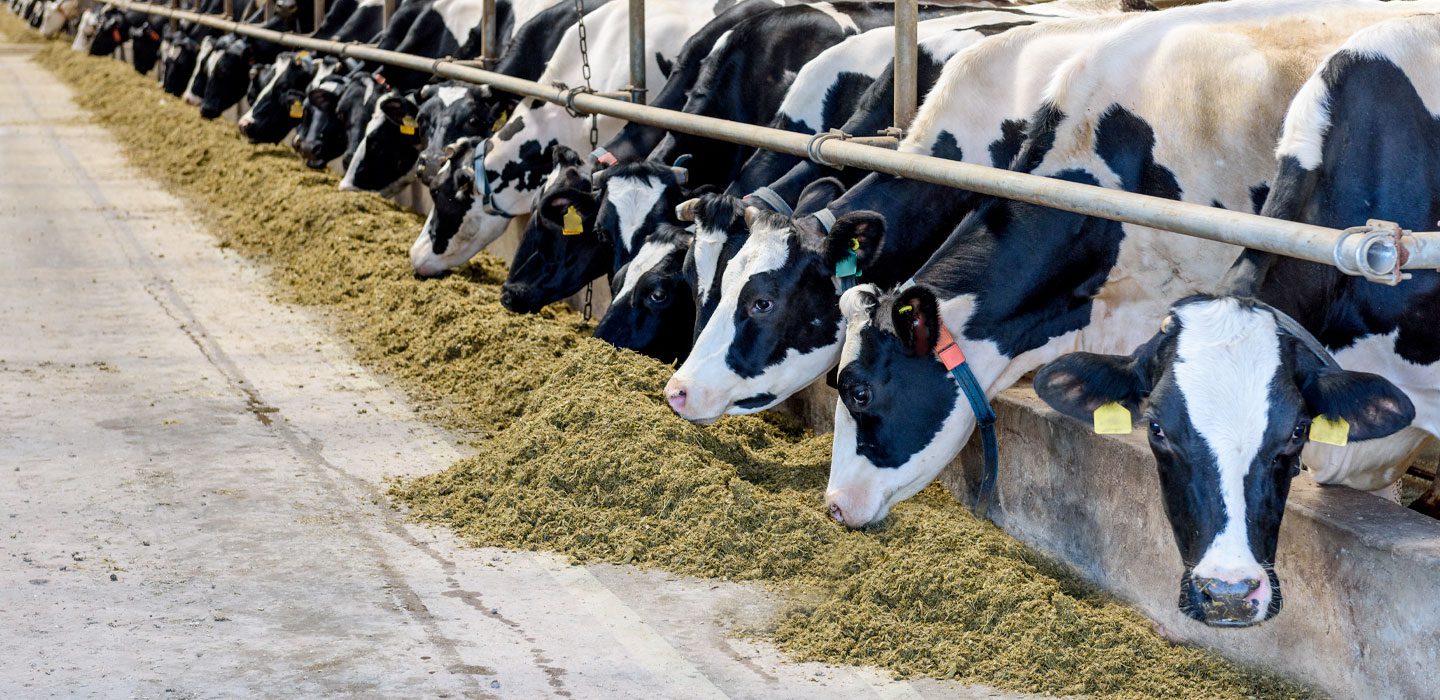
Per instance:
{"type": "Point", "coordinates": [837, 514]}
{"type": "Point", "coordinates": [675, 395]}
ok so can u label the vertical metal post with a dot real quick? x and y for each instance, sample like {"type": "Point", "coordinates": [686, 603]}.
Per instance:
{"type": "Point", "coordinates": [387, 10]}
{"type": "Point", "coordinates": [228, 7]}
{"type": "Point", "coordinates": [637, 51]}
{"type": "Point", "coordinates": [319, 9]}
{"type": "Point", "coordinates": [489, 34]}
{"type": "Point", "coordinates": [269, 10]}
{"type": "Point", "coordinates": [907, 81]}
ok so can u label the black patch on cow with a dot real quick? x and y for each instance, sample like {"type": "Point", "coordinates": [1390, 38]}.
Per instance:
{"type": "Point", "coordinates": [1258, 195]}
{"type": "Point", "coordinates": [756, 401]}
{"type": "Point", "coordinates": [528, 173]}
{"type": "Point", "coordinates": [947, 147]}
{"type": "Point", "coordinates": [1127, 144]}
{"type": "Point", "coordinates": [800, 322]}
{"type": "Point", "coordinates": [1004, 149]}
{"type": "Point", "coordinates": [843, 95]}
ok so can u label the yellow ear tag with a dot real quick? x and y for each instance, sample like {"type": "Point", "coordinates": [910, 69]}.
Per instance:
{"type": "Point", "coordinates": [573, 225]}
{"type": "Point", "coordinates": [499, 122]}
{"type": "Point", "coordinates": [297, 110]}
{"type": "Point", "coordinates": [407, 126]}
{"type": "Point", "coordinates": [855, 244]}
{"type": "Point", "coordinates": [1112, 419]}
{"type": "Point", "coordinates": [1331, 432]}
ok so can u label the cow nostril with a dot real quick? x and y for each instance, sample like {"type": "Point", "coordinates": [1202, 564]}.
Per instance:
{"type": "Point", "coordinates": [836, 513]}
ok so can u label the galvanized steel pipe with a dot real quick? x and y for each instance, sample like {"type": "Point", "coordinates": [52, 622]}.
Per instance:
{"type": "Point", "coordinates": [1294, 239]}
{"type": "Point", "coordinates": [319, 9]}
{"type": "Point", "coordinates": [637, 51]}
{"type": "Point", "coordinates": [489, 35]}
{"type": "Point", "coordinates": [387, 10]}
{"type": "Point", "coordinates": [905, 67]}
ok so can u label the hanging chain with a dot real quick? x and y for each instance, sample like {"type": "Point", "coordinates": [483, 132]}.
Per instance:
{"type": "Point", "coordinates": [587, 311]}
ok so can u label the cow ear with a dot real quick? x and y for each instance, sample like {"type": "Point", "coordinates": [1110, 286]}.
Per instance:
{"type": "Point", "coordinates": [1372, 406]}
{"type": "Point", "coordinates": [818, 195]}
{"type": "Point", "coordinates": [397, 107]}
{"type": "Point", "coordinates": [916, 315]}
{"type": "Point", "coordinates": [428, 91]}
{"type": "Point", "coordinates": [564, 156]}
{"type": "Point", "coordinates": [1080, 382]}
{"type": "Point", "coordinates": [861, 233]}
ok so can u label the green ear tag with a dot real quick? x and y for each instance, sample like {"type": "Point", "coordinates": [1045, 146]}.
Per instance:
{"type": "Point", "coordinates": [1112, 419]}
{"type": "Point", "coordinates": [499, 122]}
{"type": "Point", "coordinates": [407, 125]}
{"type": "Point", "coordinates": [297, 109]}
{"type": "Point", "coordinates": [1331, 432]}
{"type": "Point", "coordinates": [574, 226]}
{"type": "Point", "coordinates": [848, 266]}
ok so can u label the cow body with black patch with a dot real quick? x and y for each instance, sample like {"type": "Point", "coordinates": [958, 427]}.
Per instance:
{"type": "Point", "coordinates": [1018, 285]}
{"type": "Point", "coordinates": [1230, 390]}
{"type": "Point", "coordinates": [518, 157]}
{"type": "Point", "coordinates": [976, 112]}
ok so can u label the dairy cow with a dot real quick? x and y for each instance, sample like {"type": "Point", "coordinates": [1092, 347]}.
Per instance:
{"type": "Point", "coordinates": [1018, 285]}
{"type": "Point", "coordinates": [228, 68]}
{"type": "Point", "coordinates": [518, 157]}
{"type": "Point", "coordinates": [279, 104]}
{"type": "Point", "coordinates": [385, 159]}
{"type": "Point", "coordinates": [746, 362]}
{"type": "Point", "coordinates": [1232, 384]}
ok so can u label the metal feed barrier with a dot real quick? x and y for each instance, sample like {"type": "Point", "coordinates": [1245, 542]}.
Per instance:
{"type": "Point", "coordinates": [1376, 250]}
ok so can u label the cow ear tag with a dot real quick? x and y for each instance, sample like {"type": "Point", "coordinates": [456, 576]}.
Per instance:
{"type": "Point", "coordinates": [573, 225]}
{"type": "Point", "coordinates": [297, 109]}
{"type": "Point", "coordinates": [499, 122]}
{"type": "Point", "coordinates": [407, 125]}
{"type": "Point", "coordinates": [1331, 432]}
{"type": "Point", "coordinates": [1112, 419]}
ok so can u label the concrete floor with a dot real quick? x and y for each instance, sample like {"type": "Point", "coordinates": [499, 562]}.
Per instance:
{"type": "Point", "coordinates": [191, 495]}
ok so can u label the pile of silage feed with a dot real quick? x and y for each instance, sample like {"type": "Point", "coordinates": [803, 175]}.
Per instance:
{"type": "Point", "coordinates": [576, 454]}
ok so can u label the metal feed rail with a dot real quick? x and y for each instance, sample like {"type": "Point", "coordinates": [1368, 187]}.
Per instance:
{"type": "Point", "coordinates": [1370, 251]}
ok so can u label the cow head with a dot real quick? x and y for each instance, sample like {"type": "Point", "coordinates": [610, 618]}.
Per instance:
{"type": "Point", "coordinates": [320, 136]}
{"type": "Point", "coordinates": [1229, 393]}
{"type": "Point", "coordinates": [450, 112]}
{"type": "Point", "coordinates": [57, 14]}
{"type": "Point", "coordinates": [386, 154]}
{"type": "Point", "coordinates": [281, 102]}
{"type": "Point", "coordinates": [145, 44]}
{"type": "Point", "coordinates": [619, 207]}
{"type": "Point", "coordinates": [112, 31]}
{"type": "Point", "coordinates": [653, 310]}
{"type": "Point", "coordinates": [452, 193]}
{"type": "Point", "coordinates": [228, 65]}
{"type": "Point", "coordinates": [177, 61]}
{"type": "Point", "coordinates": [195, 85]}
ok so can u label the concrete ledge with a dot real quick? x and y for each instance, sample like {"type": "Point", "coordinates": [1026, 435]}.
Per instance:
{"type": "Point", "coordinates": [1360, 575]}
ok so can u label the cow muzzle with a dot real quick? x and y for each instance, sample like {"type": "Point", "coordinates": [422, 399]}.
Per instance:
{"type": "Point", "coordinates": [1227, 602]}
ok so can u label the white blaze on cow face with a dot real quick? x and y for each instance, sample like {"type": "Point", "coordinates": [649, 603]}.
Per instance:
{"type": "Point", "coordinates": [204, 61]}
{"type": "Point", "coordinates": [632, 198]}
{"type": "Point", "coordinates": [709, 384]}
{"type": "Point", "coordinates": [1226, 359]}
{"type": "Point", "coordinates": [282, 64]}
{"type": "Point", "coordinates": [651, 254]}
{"type": "Point", "coordinates": [377, 120]}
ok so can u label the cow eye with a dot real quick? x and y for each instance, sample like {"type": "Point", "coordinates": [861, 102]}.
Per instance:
{"type": "Point", "coordinates": [658, 295]}
{"type": "Point", "coordinates": [860, 395]}
{"type": "Point", "coordinates": [761, 306]}
{"type": "Point", "coordinates": [1299, 432]}
{"type": "Point", "coordinates": [1156, 431]}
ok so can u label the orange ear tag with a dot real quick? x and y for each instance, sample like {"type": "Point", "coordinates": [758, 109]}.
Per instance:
{"type": "Point", "coordinates": [297, 109]}
{"type": "Point", "coordinates": [407, 126]}
{"type": "Point", "coordinates": [1331, 432]}
{"type": "Point", "coordinates": [573, 225]}
{"type": "Point", "coordinates": [1112, 419]}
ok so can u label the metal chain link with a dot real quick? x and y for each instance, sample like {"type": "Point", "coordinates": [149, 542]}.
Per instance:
{"type": "Point", "coordinates": [587, 311]}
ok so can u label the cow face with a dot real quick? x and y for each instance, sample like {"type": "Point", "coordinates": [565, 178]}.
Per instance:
{"type": "Point", "coordinates": [204, 58]}
{"type": "Point", "coordinates": [145, 45]}
{"type": "Point", "coordinates": [458, 111]}
{"type": "Point", "coordinates": [720, 231]}
{"type": "Point", "coordinates": [57, 15]}
{"type": "Point", "coordinates": [653, 310]}
{"type": "Point", "coordinates": [228, 65]}
{"type": "Point", "coordinates": [281, 102]}
{"type": "Point", "coordinates": [1229, 395]}
{"type": "Point", "coordinates": [385, 157]}
{"type": "Point", "coordinates": [560, 250]}
{"type": "Point", "coordinates": [452, 194]}
{"type": "Point", "coordinates": [357, 101]}
{"type": "Point", "coordinates": [110, 33]}
{"type": "Point", "coordinates": [767, 338]}
{"type": "Point", "coordinates": [177, 62]}
{"type": "Point", "coordinates": [320, 137]}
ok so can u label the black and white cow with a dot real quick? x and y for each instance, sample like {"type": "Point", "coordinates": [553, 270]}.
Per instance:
{"type": "Point", "coordinates": [58, 15]}
{"type": "Point", "coordinates": [111, 32]}
{"type": "Point", "coordinates": [353, 20]}
{"type": "Point", "coordinates": [229, 67]}
{"type": "Point", "coordinates": [518, 157]}
{"type": "Point", "coordinates": [976, 113]}
{"type": "Point", "coordinates": [280, 103]}
{"type": "Point", "coordinates": [1229, 387]}
{"type": "Point", "coordinates": [146, 32]}
{"type": "Point", "coordinates": [1018, 285]}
